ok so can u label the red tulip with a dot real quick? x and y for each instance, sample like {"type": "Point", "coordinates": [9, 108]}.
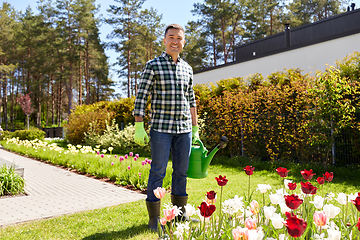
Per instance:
{"type": "Point", "coordinates": [211, 195]}
{"type": "Point", "coordinates": [283, 172]}
{"type": "Point", "coordinates": [356, 202]}
{"type": "Point", "coordinates": [295, 226]}
{"type": "Point", "coordinates": [328, 176]}
{"type": "Point", "coordinates": [308, 188]}
{"type": "Point", "coordinates": [320, 180]}
{"type": "Point", "coordinates": [358, 224]}
{"type": "Point", "coordinates": [249, 170]}
{"type": "Point", "coordinates": [292, 185]}
{"type": "Point", "coordinates": [206, 210]}
{"type": "Point", "coordinates": [221, 181]}
{"type": "Point", "coordinates": [307, 174]}
{"type": "Point", "coordinates": [293, 201]}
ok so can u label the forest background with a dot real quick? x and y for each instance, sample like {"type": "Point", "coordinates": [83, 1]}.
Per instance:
{"type": "Point", "coordinates": [58, 57]}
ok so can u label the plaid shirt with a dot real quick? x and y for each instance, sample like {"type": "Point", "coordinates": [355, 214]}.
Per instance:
{"type": "Point", "coordinates": [170, 87]}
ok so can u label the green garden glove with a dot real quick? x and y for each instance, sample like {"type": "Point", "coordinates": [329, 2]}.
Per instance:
{"type": "Point", "coordinates": [141, 136]}
{"type": "Point", "coordinates": [195, 134]}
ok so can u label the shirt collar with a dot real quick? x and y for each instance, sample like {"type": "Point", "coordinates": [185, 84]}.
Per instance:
{"type": "Point", "coordinates": [169, 57]}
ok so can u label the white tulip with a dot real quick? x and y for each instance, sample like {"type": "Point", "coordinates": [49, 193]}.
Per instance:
{"type": "Point", "coordinates": [269, 211]}
{"type": "Point", "coordinates": [286, 182]}
{"type": "Point", "coordinates": [318, 202]}
{"type": "Point", "coordinates": [282, 192]}
{"type": "Point", "coordinates": [352, 197]}
{"type": "Point", "coordinates": [189, 210]}
{"type": "Point", "coordinates": [341, 198]}
{"type": "Point", "coordinates": [282, 237]}
{"type": "Point", "coordinates": [256, 234]}
{"type": "Point", "coordinates": [263, 187]}
{"type": "Point", "coordinates": [277, 221]}
{"type": "Point", "coordinates": [284, 208]}
{"type": "Point", "coordinates": [275, 198]}
{"type": "Point", "coordinates": [331, 211]}
{"type": "Point", "coordinates": [333, 234]}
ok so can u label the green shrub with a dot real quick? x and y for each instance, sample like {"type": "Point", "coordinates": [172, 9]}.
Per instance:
{"type": "Point", "coordinates": [120, 140]}
{"type": "Point", "coordinates": [31, 134]}
{"type": "Point", "coordinates": [80, 122]}
{"type": "Point", "coordinates": [11, 183]}
{"type": "Point", "coordinates": [6, 134]}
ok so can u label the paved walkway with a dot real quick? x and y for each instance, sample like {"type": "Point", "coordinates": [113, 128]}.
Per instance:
{"type": "Point", "coordinates": [52, 191]}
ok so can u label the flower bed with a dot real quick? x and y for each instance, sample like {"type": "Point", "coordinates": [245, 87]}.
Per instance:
{"type": "Point", "coordinates": [295, 211]}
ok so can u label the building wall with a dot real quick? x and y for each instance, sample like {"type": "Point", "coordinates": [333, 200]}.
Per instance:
{"type": "Point", "coordinates": [310, 59]}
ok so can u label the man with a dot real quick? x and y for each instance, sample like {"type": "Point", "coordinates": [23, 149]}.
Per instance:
{"type": "Point", "coordinates": [168, 80]}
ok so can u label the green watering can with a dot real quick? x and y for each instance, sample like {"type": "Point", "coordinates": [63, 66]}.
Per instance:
{"type": "Point", "coordinates": [199, 162]}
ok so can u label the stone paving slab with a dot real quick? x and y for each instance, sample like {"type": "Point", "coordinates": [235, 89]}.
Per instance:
{"type": "Point", "coordinates": [53, 191]}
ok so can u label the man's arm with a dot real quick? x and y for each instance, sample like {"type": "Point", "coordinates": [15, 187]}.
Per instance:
{"type": "Point", "coordinates": [139, 119]}
{"type": "Point", "coordinates": [193, 116]}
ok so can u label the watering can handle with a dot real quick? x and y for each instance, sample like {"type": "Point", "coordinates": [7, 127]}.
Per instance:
{"type": "Point", "coordinates": [201, 144]}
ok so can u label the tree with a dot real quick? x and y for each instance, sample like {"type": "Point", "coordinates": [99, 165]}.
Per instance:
{"type": "Point", "coordinates": [25, 104]}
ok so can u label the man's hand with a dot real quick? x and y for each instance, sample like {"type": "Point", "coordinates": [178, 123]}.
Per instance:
{"type": "Point", "coordinates": [141, 136]}
{"type": "Point", "coordinates": [195, 134]}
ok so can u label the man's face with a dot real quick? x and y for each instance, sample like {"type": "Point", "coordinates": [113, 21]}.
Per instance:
{"type": "Point", "coordinates": [174, 41]}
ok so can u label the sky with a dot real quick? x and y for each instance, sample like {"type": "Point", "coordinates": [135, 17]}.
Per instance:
{"type": "Point", "coordinates": [173, 11]}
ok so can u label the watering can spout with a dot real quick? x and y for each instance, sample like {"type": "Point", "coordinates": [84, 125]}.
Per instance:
{"type": "Point", "coordinates": [200, 161]}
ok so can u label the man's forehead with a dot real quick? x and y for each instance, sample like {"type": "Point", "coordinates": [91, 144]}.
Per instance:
{"type": "Point", "coordinates": [175, 32]}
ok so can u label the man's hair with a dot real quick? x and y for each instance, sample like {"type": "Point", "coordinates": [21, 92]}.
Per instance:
{"type": "Point", "coordinates": [174, 26]}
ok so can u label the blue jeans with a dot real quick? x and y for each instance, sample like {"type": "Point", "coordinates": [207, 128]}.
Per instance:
{"type": "Point", "coordinates": [161, 145]}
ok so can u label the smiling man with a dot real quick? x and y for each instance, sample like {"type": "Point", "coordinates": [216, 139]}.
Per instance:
{"type": "Point", "coordinates": [168, 80]}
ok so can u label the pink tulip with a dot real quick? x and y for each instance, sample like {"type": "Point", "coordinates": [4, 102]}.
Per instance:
{"type": "Point", "coordinates": [143, 163]}
{"type": "Point", "coordinates": [126, 156]}
{"type": "Point", "coordinates": [149, 161]}
{"type": "Point", "coordinates": [135, 158]}
{"type": "Point", "coordinates": [139, 175]}
{"type": "Point", "coordinates": [163, 221]}
{"type": "Point", "coordinates": [254, 207]}
{"type": "Point", "coordinates": [159, 192]}
{"type": "Point", "coordinates": [240, 233]}
{"type": "Point", "coordinates": [170, 214]}
{"type": "Point", "coordinates": [320, 218]}
{"type": "Point", "coordinates": [131, 154]}
{"type": "Point", "coordinates": [121, 159]}
{"type": "Point", "coordinates": [129, 167]}
{"type": "Point", "coordinates": [137, 155]}
{"type": "Point", "coordinates": [98, 152]}
{"type": "Point", "coordinates": [112, 163]}
{"type": "Point", "coordinates": [102, 155]}
{"type": "Point", "coordinates": [115, 156]}
{"type": "Point", "coordinates": [250, 223]}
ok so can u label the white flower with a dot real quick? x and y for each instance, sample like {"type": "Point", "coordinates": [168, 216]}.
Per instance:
{"type": "Point", "coordinates": [263, 187]}
{"type": "Point", "coordinates": [319, 237]}
{"type": "Point", "coordinates": [234, 205]}
{"type": "Point", "coordinates": [282, 192]}
{"type": "Point", "coordinates": [331, 211]}
{"type": "Point", "coordinates": [275, 198]}
{"type": "Point", "coordinates": [284, 208]}
{"type": "Point", "coordinates": [318, 202]}
{"type": "Point", "coordinates": [341, 198]}
{"type": "Point", "coordinates": [104, 151]}
{"type": "Point", "coordinates": [282, 237]}
{"type": "Point", "coordinates": [269, 211]}
{"type": "Point", "coordinates": [189, 209]}
{"type": "Point", "coordinates": [277, 221]}
{"type": "Point", "coordinates": [329, 196]}
{"type": "Point", "coordinates": [333, 234]}
{"type": "Point", "coordinates": [111, 148]}
{"type": "Point", "coordinates": [256, 234]}
{"type": "Point", "coordinates": [352, 197]}
{"type": "Point", "coordinates": [286, 182]}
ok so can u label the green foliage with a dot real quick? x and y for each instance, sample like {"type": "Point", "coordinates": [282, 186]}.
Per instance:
{"type": "Point", "coordinates": [30, 134]}
{"type": "Point", "coordinates": [11, 183]}
{"type": "Point", "coordinates": [288, 116]}
{"type": "Point", "coordinates": [120, 140]}
{"type": "Point", "coordinates": [6, 134]}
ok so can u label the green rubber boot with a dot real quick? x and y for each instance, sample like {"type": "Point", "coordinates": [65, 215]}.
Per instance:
{"type": "Point", "coordinates": [154, 214]}
{"type": "Point", "coordinates": [180, 202]}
